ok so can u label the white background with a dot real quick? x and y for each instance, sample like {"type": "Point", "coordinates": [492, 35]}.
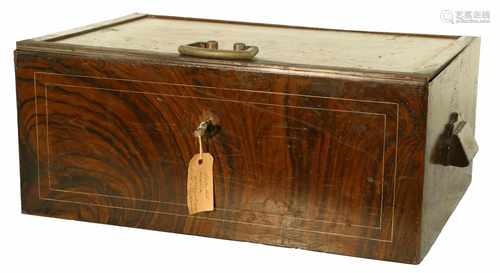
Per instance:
{"type": "Point", "coordinates": [469, 242]}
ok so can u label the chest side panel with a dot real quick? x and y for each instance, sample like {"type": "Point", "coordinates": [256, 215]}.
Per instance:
{"type": "Point", "coordinates": [301, 162]}
{"type": "Point", "coordinates": [453, 91]}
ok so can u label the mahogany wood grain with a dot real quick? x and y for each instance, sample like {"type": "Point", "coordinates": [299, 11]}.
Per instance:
{"type": "Point", "coordinates": [326, 164]}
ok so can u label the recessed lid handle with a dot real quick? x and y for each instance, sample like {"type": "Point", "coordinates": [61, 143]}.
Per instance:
{"type": "Point", "coordinates": [210, 49]}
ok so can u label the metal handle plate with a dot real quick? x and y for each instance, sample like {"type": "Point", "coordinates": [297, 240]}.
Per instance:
{"type": "Point", "coordinates": [456, 146]}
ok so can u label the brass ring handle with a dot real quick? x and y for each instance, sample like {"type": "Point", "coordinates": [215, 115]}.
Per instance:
{"type": "Point", "coordinates": [211, 50]}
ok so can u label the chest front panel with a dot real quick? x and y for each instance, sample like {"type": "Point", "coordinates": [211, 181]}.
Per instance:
{"type": "Point", "coordinates": [301, 158]}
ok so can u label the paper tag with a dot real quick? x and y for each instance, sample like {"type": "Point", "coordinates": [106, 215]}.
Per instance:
{"type": "Point", "coordinates": [200, 186]}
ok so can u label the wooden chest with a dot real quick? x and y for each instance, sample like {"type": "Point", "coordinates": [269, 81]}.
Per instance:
{"type": "Point", "coordinates": [346, 142]}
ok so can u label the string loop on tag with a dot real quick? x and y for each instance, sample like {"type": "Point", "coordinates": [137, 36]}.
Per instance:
{"type": "Point", "coordinates": [200, 132]}
{"type": "Point", "coordinates": [200, 143]}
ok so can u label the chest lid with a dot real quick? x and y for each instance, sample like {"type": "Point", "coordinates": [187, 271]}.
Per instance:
{"type": "Point", "coordinates": [281, 47]}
